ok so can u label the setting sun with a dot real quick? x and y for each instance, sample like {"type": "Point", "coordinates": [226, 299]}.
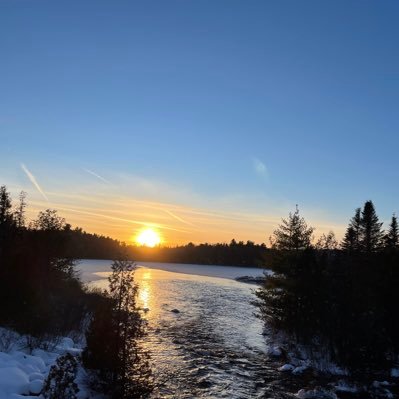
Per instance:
{"type": "Point", "coordinates": [149, 238]}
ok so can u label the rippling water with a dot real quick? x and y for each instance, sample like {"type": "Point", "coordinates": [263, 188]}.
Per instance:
{"type": "Point", "coordinates": [204, 339]}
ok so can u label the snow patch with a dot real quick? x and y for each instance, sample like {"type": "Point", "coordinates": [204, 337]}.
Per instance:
{"type": "Point", "coordinates": [23, 373]}
{"type": "Point", "coordinates": [13, 380]}
{"type": "Point", "coordinates": [36, 386]}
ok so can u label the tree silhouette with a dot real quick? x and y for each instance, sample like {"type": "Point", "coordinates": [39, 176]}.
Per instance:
{"type": "Point", "coordinates": [112, 339]}
{"type": "Point", "coordinates": [49, 220]}
{"type": "Point", "coordinates": [20, 211]}
{"type": "Point", "coordinates": [371, 233]}
{"type": "Point", "coordinates": [392, 236]}
{"type": "Point", "coordinates": [5, 205]}
{"type": "Point", "coordinates": [351, 241]}
{"type": "Point", "coordinates": [293, 233]}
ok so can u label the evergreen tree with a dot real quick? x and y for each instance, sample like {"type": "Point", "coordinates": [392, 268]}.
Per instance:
{"type": "Point", "coordinates": [5, 205]}
{"type": "Point", "coordinates": [351, 240]}
{"type": "Point", "coordinates": [371, 233]}
{"type": "Point", "coordinates": [6, 218]}
{"type": "Point", "coordinates": [293, 233]}
{"type": "Point", "coordinates": [60, 382]}
{"type": "Point", "coordinates": [20, 211]}
{"type": "Point", "coordinates": [112, 340]}
{"type": "Point", "coordinates": [392, 237]}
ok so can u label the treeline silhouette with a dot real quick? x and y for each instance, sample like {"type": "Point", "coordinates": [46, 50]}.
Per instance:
{"type": "Point", "coordinates": [78, 244]}
{"type": "Point", "coordinates": [338, 301]}
{"type": "Point", "coordinates": [83, 245]}
{"type": "Point", "coordinates": [233, 254]}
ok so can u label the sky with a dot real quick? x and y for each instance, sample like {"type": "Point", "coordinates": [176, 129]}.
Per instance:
{"type": "Point", "coordinates": [206, 120]}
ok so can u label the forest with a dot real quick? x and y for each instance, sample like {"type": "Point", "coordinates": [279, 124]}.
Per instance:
{"type": "Point", "coordinates": [337, 301]}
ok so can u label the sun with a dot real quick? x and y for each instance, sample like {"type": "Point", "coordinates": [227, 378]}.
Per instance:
{"type": "Point", "coordinates": [148, 238]}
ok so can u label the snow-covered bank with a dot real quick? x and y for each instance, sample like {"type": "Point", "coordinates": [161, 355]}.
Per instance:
{"type": "Point", "coordinates": [24, 368]}
{"type": "Point", "coordinates": [299, 360]}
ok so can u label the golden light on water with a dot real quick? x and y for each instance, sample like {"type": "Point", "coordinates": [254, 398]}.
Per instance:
{"type": "Point", "coordinates": [144, 295]}
{"type": "Point", "coordinates": [149, 238]}
{"type": "Point", "coordinates": [145, 288]}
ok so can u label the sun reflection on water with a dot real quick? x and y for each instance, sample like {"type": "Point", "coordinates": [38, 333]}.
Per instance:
{"type": "Point", "coordinates": [144, 296]}
{"type": "Point", "coordinates": [145, 288]}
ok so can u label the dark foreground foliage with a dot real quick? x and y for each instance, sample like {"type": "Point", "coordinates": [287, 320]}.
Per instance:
{"type": "Point", "coordinates": [42, 297]}
{"type": "Point", "coordinates": [342, 302]}
{"type": "Point", "coordinates": [39, 291]}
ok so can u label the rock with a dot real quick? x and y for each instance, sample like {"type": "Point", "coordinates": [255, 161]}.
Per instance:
{"type": "Point", "coordinates": [203, 383]}
{"type": "Point", "coordinates": [286, 367]}
{"type": "Point", "coordinates": [299, 370]}
{"type": "Point", "coordinates": [395, 373]}
{"type": "Point", "coordinates": [377, 384]}
{"type": "Point", "coordinates": [66, 343]}
{"type": "Point", "coordinates": [343, 386]}
{"type": "Point", "coordinates": [175, 311]}
{"type": "Point", "coordinates": [317, 393]}
{"type": "Point", "coordinates": [274, 351]}
{"type": "Point", "coordinates": [251, 279]}
{"type": "Point", "coordinates": [36, 386]}
{"type": "Point", "coordinates": [145, 310]}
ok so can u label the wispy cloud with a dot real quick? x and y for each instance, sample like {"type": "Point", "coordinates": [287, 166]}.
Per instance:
{"type": "Point", "coordinates": [34, 181]}
{"type": "Point", "coordinates": [259, 167]}
{"type": "Point", "coordinates": [141, 223]}
{"type": "Point", "coordinates": [96, 175]}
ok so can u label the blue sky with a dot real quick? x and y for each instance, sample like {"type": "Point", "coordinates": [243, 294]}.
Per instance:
{"type": "Point", "coordinates": [221, 108]}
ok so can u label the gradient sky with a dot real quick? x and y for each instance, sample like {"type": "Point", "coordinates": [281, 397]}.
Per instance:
{"type": "Point", "coordinates": [207, 119]}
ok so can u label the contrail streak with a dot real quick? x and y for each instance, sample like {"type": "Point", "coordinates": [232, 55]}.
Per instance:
{"type": "Point", "coordinates": [96, 175]}
{"type": "Point", "coordinates": [179, 218]}
{"type": "Point", "coordinates": [34, 181]}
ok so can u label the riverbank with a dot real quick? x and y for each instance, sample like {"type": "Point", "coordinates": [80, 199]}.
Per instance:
{"type": "Point", "coordinates": [25, 365]}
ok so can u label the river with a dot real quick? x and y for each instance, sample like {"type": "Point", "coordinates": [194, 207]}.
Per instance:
{"type": "Point", "coordinates": [203, 336]}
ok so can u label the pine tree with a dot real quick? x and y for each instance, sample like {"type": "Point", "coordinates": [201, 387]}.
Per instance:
{"type": "Point", "coordinates": [60, 382]}
{"type": "Point", "coordinates": [392, 237]}
{"type": "Point", "coordinates": [20, 211]}
{"type": "Point", "coordinates": [293, 233]}
{"type": "Point", "coordinates": [371, 233]}
{"type": "Point", "coordinates": [5, 205]}
{"type": "Point", "coordinates": [112, 340]}
{"type": "Point", "coordinates": [351, 241]}
{"type": "Point", "coordinates": [6, 217]}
